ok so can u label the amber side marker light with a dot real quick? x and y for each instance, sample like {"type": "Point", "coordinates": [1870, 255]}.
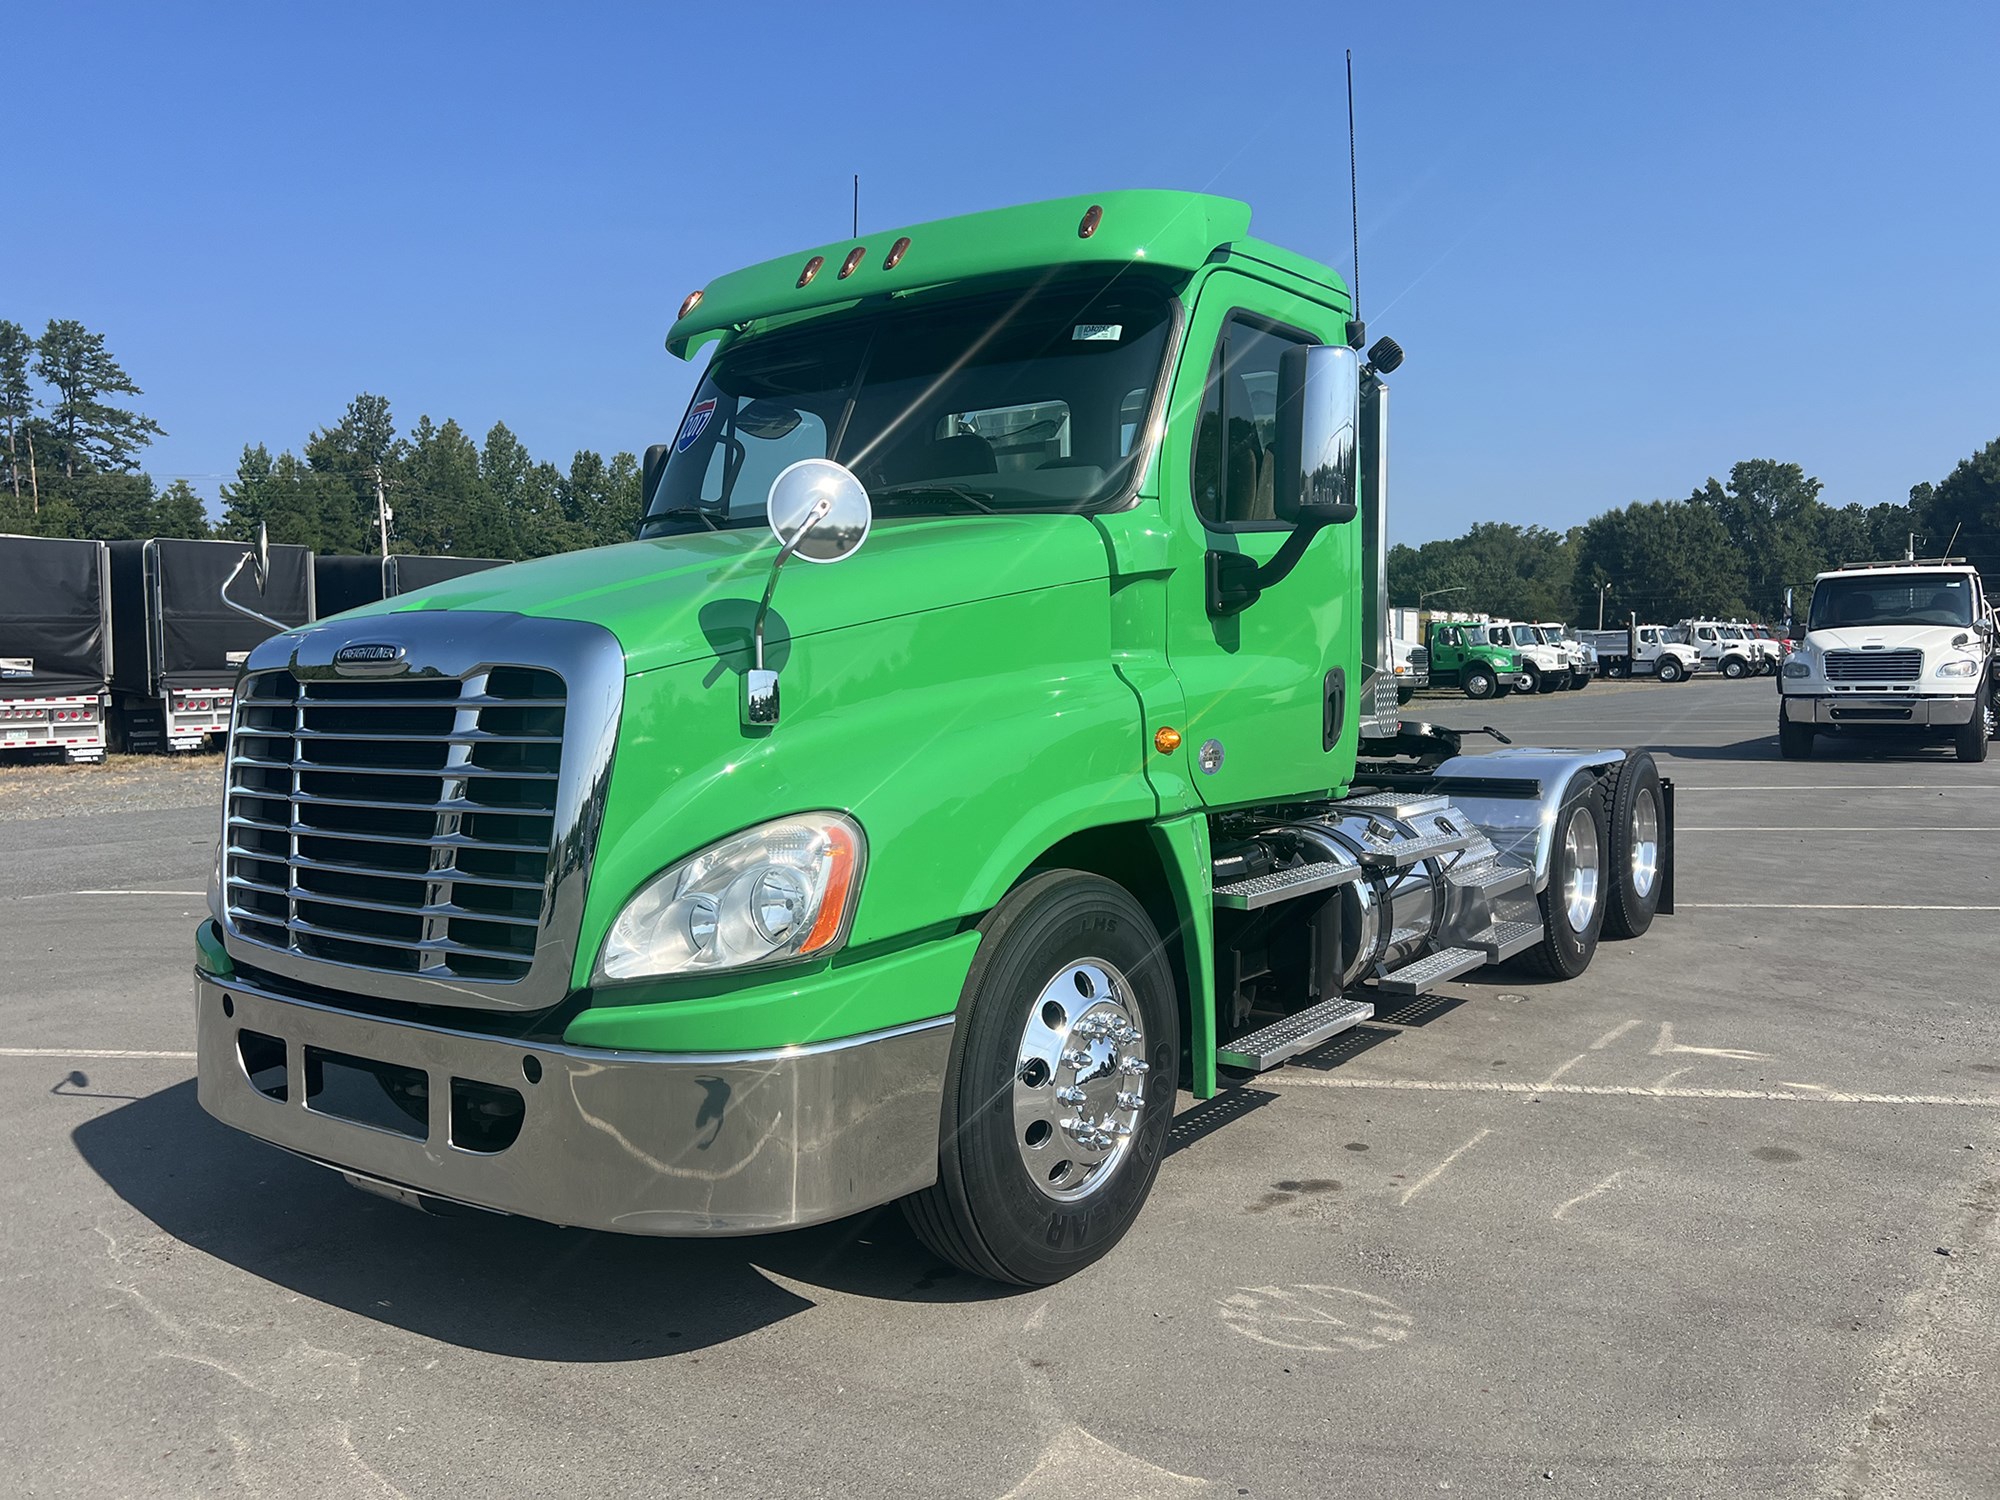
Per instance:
{"type": "Point", "coordinates": [692, 301]}
{"type": "Point", "coordinates": [812, 269]}
{"type": "Point", "coordinates": [895, 254]}
{"type": "Point", "coordinates": [1166, 740]}
{"type": "Point", "coordinates": [853, 259]}
{"type": "Point", "coordinates": [1092, 217]}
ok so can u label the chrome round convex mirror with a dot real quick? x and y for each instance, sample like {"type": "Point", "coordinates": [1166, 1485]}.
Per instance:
{"type": "Point", "coordinates": [825, 501]}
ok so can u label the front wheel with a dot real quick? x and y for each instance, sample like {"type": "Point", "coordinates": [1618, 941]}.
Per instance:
{"type": "Point", "coordinates": [1734, 667]}
{"type": "Point", "coordinates": [1061, 1086]}
{"type": "Point", "coordinates": [1531, 680]}
{"type": "Point", "coordinates": [1970, 741]}
{"type": "Point", "coordinates": [1670, 669]}
{"type": "Point", "coordinates": [1554, 684]}
{"type": "Point", "coordinates": [1795, 741]}
{"type": "Point", "coordinates": [1479, 683]}
{"type": "Point", "coordinates": [1573, 902]}
{"type": "Point", "coordinates": [1579, 681]}
{"type": "Point", "coordinates": [1404, 695]}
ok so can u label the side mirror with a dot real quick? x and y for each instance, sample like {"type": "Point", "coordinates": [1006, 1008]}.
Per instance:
{"type": "Point", "coordinates": [818, 511]}
{"type": "Point", "coordinates": [1318, 437]}
{"type": "Point", "coordinates": [649, 475]}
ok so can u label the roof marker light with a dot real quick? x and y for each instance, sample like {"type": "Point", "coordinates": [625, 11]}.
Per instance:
{"type": "Point", "coordinates": [1091, 218]}
{"type": "Point", "coordinates": [853, 259]}
{"type": "Point", "coordinates": [895, 253]}
{"type": "Point", "coordinates": [812, 269]}
{"type": "Point", "coordinates": [689, 304]}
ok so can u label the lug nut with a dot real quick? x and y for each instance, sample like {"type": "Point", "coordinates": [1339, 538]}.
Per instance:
{"type": "Point", "coordinates": [1131, 1101]}
{"type": "Point", "coordinates": [1134, 1067]}
{"type": "Point", "coordinates": [1076, 1057]}
{"type": "Point", "coordinates": [1070, 1095]}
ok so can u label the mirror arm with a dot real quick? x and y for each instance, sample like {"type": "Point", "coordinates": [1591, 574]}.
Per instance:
{"type": "Point", "coordinates": [243, 609]}
{"type": "Point", "coordinates": [1235, 580]}
{"type": "Point", "coordinates": [760, 684]}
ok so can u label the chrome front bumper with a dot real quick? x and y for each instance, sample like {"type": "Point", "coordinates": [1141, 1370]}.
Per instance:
{"type": "Point", "coordinates": [641, 1143]}
{"type": "Point", "coordinates": [1878, 710]}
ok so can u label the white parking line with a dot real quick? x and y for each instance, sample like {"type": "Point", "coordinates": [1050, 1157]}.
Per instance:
{"type": "Point", "coordinates": [1823, 828]}
{"type": "Point", "coordinates": [1438, 1171]}
{"type": "Point", "coordinates": [58, 895]}
{"type": "Point", "coordinates": [1628, 1090]}
{"type": "Point", "coordinates": [106, 1054]}
{"type": "Point", "coordinates": [1820, 906]}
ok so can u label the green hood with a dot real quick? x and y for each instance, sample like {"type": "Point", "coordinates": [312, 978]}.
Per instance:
{"type": "Point", "coordinates": [685, 598]}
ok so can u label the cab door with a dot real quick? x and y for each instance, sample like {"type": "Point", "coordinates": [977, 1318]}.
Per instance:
{"type": "Point", "coordinates": [1271, 690]}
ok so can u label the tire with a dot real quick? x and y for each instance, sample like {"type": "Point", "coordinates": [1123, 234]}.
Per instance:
{"type": "Point", "coordinates": [1734, 667]}
{"type": "Point", "coordinates": [1669, 669]}
{"type": "Point", "coordinates": [1404, 695]}
{"type": "Point", "coordinates": [1616, 671]}
{"type": "Point", "coordinates": [1531, 679]}
{"type": "Point", "coordinates": [1579, 681]}
{"type": "Point", "coordinates": [1576, 888]}
{"type": "Point", "coordinates": [1970, 741]}
{"type": "Point", "coordinates": [1795, 741]}
{"type": "Point", "coordinates": [1019, 1199]}
{"type": "Point", "coordinates": [1479, 682]}
{"type": "Point", "coordinates": [1553, 683]}
{"type": "Point", "coordinates": [1638, 821]}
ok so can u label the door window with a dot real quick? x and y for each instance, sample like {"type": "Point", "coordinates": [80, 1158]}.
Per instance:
{"type": "Point", "coordinates": [1236, 433]}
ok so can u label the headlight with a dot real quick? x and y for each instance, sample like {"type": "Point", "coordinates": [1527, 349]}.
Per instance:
{"type": "Point", "coordinates": [779, 891]}
{"type": "Point", "coordinates": [1797, 669]}
{"type": "Point", "coordinates": [1958, 669]}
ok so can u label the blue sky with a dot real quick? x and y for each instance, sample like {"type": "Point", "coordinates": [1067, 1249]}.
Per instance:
{"type": "Point", "coordinates": [1624, 246]}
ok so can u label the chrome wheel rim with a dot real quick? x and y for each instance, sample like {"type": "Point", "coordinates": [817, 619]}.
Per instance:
{"type": "Point", "coordinates": [1079, 1080]}
{"type": "Point", "coordinates": [1645, 842]}
{"type": "Point", "coordinates": [1580, 880]}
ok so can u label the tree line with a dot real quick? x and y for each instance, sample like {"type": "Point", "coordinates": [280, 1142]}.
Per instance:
{"type": "Point", "coordinates": [1731, 549]}
{"type": "Point", "coordinates": [72, 469]}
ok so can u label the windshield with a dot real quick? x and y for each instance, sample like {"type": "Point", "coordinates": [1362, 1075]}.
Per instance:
{"type": "Point", "coordinates": [1030, 400]}
{"type": "Point", "coordinates": [1904, 599]}
{"type": "Point", "coordinates": [1527, 635]}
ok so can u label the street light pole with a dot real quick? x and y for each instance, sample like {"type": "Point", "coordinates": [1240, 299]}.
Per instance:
{"type": "Point", "coordinates": [1602, 590]}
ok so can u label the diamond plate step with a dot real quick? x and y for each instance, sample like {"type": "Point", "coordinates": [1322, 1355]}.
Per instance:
{"type": "Point", "coordinates": [1283, 885]}
{"type": "Point", "coordinates": [1397, 856]}
{"type": "Point", "coordinates": [1271, 1045]}
{"type": "Point", "coordinates": [1434, 968]}
{"type": "Point", "coordinates": [1507, 939]}
{"type": "Point", "coordinates": [1494, 879]}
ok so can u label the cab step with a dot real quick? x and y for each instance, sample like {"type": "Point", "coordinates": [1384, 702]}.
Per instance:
{"type": "Point", "coordinates": [1273, 1044]}
{"type": "Point", "coordinates": [1505, 939]}
{"type": "Point", "coordinates": [1283, 885]}
{"type": "Point", "coordinates": [1433, 968]}
{"type": "Point", "coordinates": [1494, 879]}
{"type": "Point", "coordinates": [1401, 856]}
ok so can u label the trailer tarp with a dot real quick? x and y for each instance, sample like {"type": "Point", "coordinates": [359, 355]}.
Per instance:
{"type": "Point", "coordinates": [406, 575]}
{"type": "Point", "coordinates": [54, 631]}
{"type": "Point", "coordinates": [194, 636]}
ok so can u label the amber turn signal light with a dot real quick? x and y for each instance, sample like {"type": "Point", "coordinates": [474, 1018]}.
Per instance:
{"type": "Point", "coordinates": [693, 301]}
{"type": "Point", "coordinates": [1166, 740]}
{"type": "Point", "coordinates": [812, 269]}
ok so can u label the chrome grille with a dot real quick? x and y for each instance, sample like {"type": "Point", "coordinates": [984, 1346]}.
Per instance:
{"type": "Point", "coordinates": [405, 826]}
{"type": "Point", "coordinates": [1874, 666]}
{"type": "Point", "coordinates": [1420, 659]}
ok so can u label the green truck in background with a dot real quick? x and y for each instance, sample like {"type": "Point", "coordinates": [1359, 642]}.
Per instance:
{"type": "Point", "coordinates": [992, 726]}
{"type": "Point", "coordinates": [1463, 656]}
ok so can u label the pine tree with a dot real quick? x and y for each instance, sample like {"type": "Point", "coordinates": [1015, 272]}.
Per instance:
{"type": "Point", "coordinates": [94, 437]}
{"type": "Point", "coordinates": [17, 397]}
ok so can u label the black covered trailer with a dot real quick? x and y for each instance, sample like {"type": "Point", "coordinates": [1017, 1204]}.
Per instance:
{"type": "Point", "coordinates": [344, 583]}
{"type": "Point", "coordinates": [55, 645]}
{"type": "Point", "coordinates": [177, 647]}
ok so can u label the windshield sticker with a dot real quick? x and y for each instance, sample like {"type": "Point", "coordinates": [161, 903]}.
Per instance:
{"type": "Point", "coordinates": [1109, 333]}
{"type": "Point", "coordinates": [695, 425]}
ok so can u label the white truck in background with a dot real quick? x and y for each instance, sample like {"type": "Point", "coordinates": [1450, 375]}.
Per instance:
{"type": "Point", "coordinates": [1545, 667]}
{"type": "Point", "coordinates": [1644, 651]}
{"type": "Point", "coordinates": [1728, 647]}
{"type": "Point", "coordinates": [1892, 648]}
{"type": "Point", "coordinates": [1580, 654]}
{"type": "Point", "coordinates": [1413, 668]}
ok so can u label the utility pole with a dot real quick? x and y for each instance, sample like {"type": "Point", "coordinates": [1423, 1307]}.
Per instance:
{"type": "Point", "coordinates": [383, 515]}
{"type": "Point", "coordinates": [1602, 590]}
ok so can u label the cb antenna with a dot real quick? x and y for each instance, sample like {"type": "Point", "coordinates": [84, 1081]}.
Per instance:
{"type": "Point", "coordinates": [857, 205]}
{"type": "Point", "coordinates": [1354, 207]}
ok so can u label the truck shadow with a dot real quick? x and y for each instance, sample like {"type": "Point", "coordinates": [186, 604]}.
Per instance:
{"type": "Point", "coordinates": [484, 1281]}
{"type": "Point", "coordinates": [1827, 747]}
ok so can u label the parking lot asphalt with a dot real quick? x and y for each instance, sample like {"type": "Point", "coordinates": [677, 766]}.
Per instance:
{"type": "Point", "coordinates": [1717, 1218]}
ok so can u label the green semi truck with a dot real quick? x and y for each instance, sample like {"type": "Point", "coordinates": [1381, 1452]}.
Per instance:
{"type": "Point", "coordinates": [1463, 656]}
{"type": "Point", "coordinates": [988, 730]}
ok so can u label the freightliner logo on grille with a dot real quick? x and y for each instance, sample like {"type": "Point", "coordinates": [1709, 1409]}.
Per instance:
{"type": "Point", "coordinates": [368, 659]}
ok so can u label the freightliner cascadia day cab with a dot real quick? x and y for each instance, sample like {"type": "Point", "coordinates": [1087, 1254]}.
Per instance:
{"type": "Point", "coordinates": [1892, 648]}
{"type": "Point", "coordinates": [655, 888]}
{"type": "Point", "coordinates": [55, 646]}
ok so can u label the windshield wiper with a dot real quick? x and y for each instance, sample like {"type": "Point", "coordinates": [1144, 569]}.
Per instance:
{"type": "Point", "coordinates": [931, 488]}
{"type": "Point", "coordinates": [696, 511]}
